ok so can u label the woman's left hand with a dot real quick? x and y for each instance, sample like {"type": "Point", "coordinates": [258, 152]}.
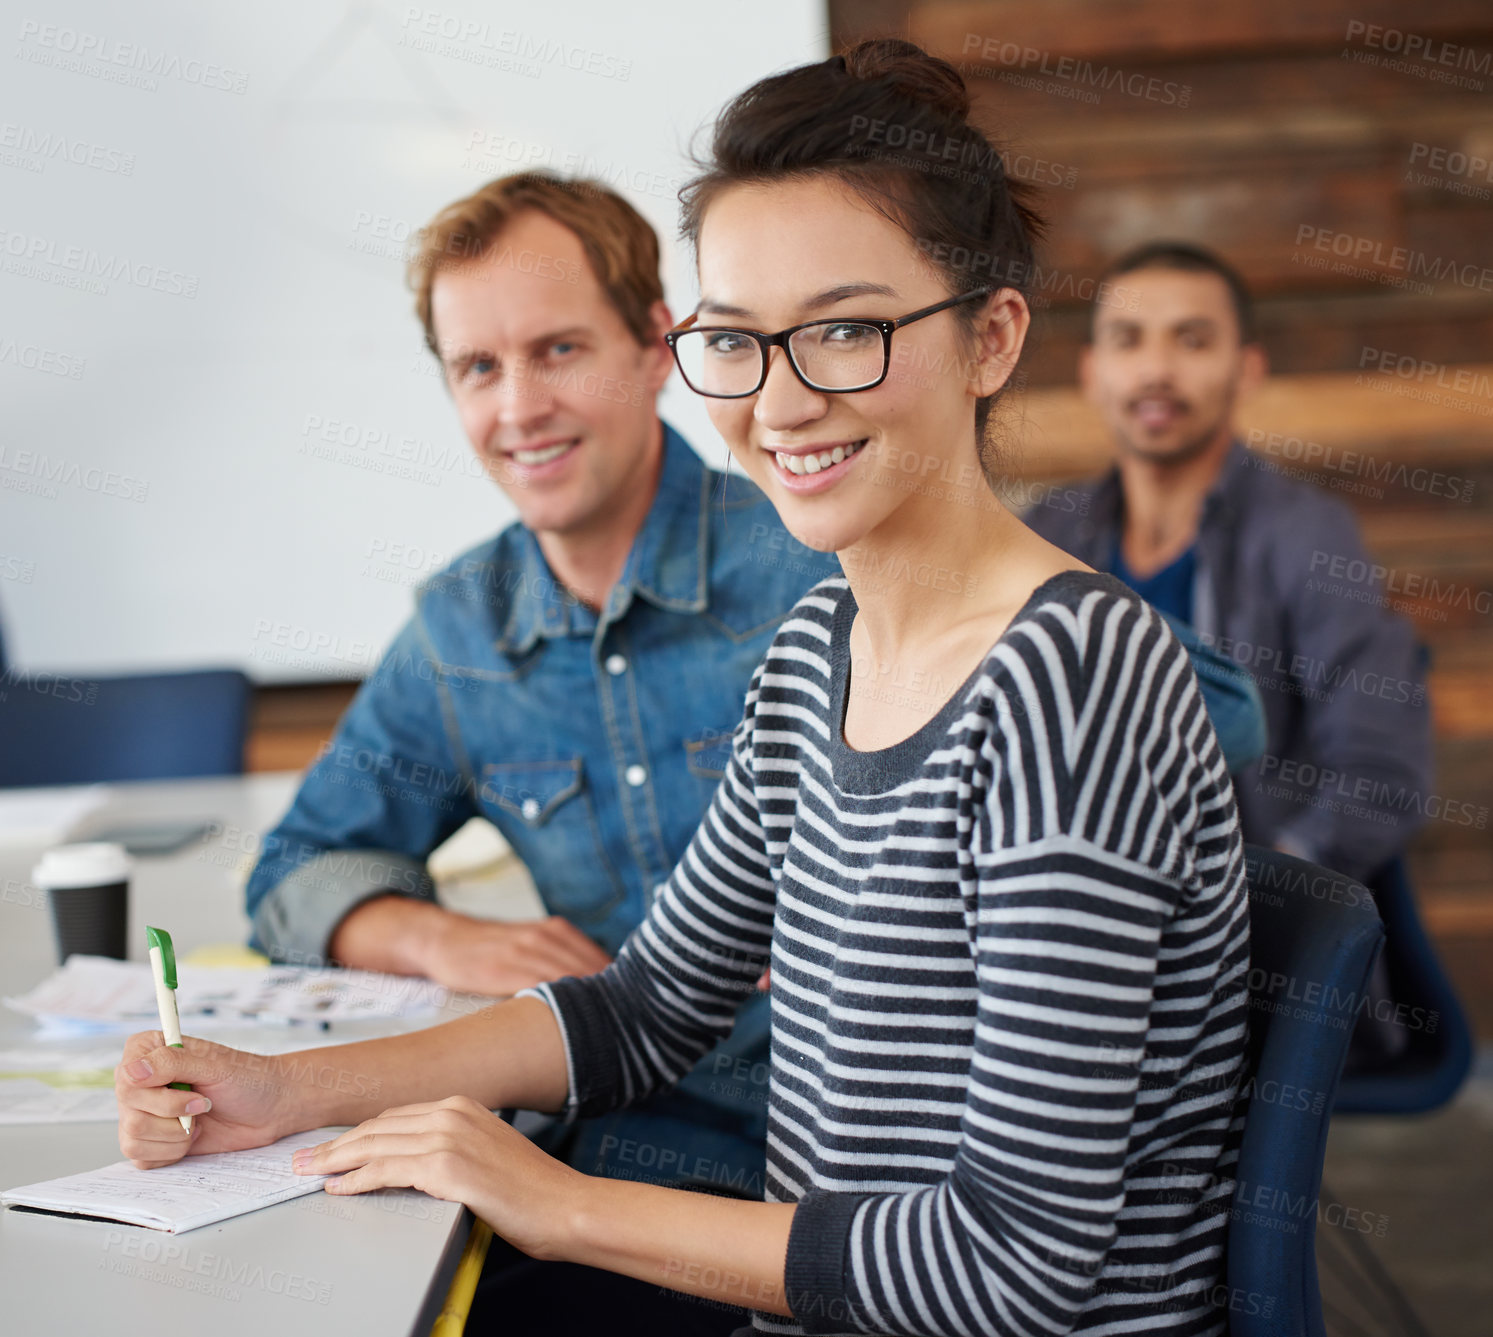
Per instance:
{"type": "Point", "coordinates": [456, 1150]}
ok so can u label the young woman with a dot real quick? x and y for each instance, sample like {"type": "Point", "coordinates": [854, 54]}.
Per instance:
{"type": "Point", "coordinates": [975, 818]}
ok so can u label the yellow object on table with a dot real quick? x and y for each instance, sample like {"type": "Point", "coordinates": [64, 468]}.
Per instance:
{"type": "Point", "coordinates": [224, 954]}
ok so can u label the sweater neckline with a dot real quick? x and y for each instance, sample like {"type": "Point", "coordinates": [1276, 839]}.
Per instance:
{"type": "Point", "coordinates": [881, 770]}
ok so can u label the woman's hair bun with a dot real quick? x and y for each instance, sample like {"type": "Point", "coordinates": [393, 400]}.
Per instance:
{"type": "Point", "coordinates": [891, 123]}
{"type": "Point", "coordinates": [912, 72]}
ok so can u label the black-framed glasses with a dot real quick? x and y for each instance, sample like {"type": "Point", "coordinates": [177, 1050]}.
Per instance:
{"type": "Point", "coordinates": [836, 357]}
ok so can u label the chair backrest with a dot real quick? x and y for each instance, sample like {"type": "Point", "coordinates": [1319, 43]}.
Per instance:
{"type": "Point", "coordinates": [60, 730]}
{"type": "Point", "coordinates": [1314, 935]}
{"type": "Point", "coordinates": [1421, 1003]}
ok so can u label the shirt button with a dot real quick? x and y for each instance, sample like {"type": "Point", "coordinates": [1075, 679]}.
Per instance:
{"type": "Point", "coordinates": [530, 809]}
{"type": "Point", "coordinates": [636, 775]}
{"type": "Point", "coordinates": [616, 664]}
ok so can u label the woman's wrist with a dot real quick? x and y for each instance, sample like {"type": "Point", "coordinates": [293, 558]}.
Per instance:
{"type": "Point", "coordinates": [509, 1054]}
{"type": "Point", "coordinates": [326, 1087]}
{"type": "Point", "coordinates": [574, 1213]}
{"type": "Point", "coordinates": [717, 1248]}
{"type": "Point", "coordinates": [590, 1221]}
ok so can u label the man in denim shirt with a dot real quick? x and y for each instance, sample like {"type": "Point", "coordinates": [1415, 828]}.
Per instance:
{"type": "Point", "coordinates": [575, 680]}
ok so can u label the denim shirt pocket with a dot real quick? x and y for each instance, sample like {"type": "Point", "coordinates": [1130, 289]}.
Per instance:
{"type": "Point", "coordinates": [545, 812]}
{"type": "Point", "coordinates": [706, 758]}
{"type": "Point", "coordinates": [709, 756]}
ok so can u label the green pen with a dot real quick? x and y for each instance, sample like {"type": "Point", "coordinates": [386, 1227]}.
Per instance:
{"type": "Point", "coordinates": [163, 972]}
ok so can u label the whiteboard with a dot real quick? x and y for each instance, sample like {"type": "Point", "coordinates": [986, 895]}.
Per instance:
{"type": "Point", "coordinates": [203, 217]}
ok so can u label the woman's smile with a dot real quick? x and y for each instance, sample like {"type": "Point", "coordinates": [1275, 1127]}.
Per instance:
{"type": "Point", "coordinates": [814, 468]}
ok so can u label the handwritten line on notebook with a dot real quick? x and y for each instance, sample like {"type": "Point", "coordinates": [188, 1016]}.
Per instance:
{"type": "Point", "coordinates": [196, 1191]}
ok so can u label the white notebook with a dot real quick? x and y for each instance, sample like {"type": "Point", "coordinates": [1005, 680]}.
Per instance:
{"type": "Point", "coordinates": [196, 1191]}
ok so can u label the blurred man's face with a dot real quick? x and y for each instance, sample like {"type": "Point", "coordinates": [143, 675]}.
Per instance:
{"type": "Point", "coordinates": [555, 394]}
{"type": "Point", "coordinates": [1166, 370]}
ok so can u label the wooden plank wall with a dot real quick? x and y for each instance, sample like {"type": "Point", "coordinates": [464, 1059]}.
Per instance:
{"type": "Point", "coordinates": [1245, 127]}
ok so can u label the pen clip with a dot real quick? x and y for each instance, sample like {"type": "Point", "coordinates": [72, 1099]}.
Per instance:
{"type": "Point", "coordinates": [158, 937]}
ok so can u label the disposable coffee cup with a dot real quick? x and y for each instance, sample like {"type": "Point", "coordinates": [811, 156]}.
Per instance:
{"type": "Point", "coordinates": [89, 890]}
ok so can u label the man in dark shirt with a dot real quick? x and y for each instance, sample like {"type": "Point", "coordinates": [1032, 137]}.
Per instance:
{"type": "Point", "coordinates": [1271, 572]}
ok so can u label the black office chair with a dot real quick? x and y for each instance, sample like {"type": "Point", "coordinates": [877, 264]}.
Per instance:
{"type": "Point", "coordinates": [1314, 936]}
{"type": "Point", "coordinates": [1410, 1054]}
{"type": "Point", "coordinates": [60, 730]}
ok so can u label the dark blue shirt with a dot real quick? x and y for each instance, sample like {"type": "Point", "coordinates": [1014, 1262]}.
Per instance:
{"type": "Point", "coordinates": [1168, 590]}
{"type": "Point", "coordinates": [1286, 589]}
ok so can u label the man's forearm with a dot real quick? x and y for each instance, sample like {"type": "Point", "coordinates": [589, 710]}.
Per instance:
{"type": "Point", "coordinates": [398, 935]}
{"type": "Point", "coordinates": [509, 1055]}
{"type": "Point", "coordinates": [296, 918]}
{"type": "Point", "coordinates": [1377, 805]}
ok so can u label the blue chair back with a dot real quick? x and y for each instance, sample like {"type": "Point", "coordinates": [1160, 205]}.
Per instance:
{"type": "Point", "coordinates": [1314, 935]}
{"type": "Point", "coordinates": [1421, 1002]}
{"type": "Point", "coordinates": [60, 730]}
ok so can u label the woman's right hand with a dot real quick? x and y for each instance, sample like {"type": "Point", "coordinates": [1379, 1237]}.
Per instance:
{"type": "Point", "coordinates": [252, 1099]}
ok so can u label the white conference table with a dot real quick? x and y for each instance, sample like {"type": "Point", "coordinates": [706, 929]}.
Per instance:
{"type": "Point", "coordinates": [373, 1264]}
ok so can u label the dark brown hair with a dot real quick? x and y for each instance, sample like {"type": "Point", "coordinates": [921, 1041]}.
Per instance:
{"type": "Point", "coordinates": [619, 242]}
{"type": "Point", "coordinates": [892, 123]}
{"type": "Point", "coordinates": [1191, 259]}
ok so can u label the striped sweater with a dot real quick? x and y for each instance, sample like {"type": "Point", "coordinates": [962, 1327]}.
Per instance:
{"type": "Point", "coordinates": [1008, 961]}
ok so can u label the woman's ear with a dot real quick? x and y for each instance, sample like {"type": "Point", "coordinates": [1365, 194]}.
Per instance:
{"type": "Point", "coordinates": [1000, 333]}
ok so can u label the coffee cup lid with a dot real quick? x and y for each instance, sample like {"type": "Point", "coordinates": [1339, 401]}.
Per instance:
{"type": "Point", "coordinates": [92, 865]}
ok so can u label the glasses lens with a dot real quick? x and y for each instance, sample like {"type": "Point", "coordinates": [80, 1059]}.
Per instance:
{"type": "Point", "coordinates": [719, 362]}
{"type": "Point", "coordinates": [839, 355]}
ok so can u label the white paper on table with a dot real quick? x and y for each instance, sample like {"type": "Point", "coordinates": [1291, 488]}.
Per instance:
{"type": "Point", "coordinates": [196, 1191]}
{"type": "Point", "coordinates": [44, 814]}
{"type": "Point", "coordinates": [98, 995]}
{"type": "Point", "coordinates": [32, 1059]}
{"type": "Point", "coordinates": [94, 989]}
{"type": "Point", "coordinates": [58, 1085]}
{"type": "Point", "coordinates": [305, 994]}
{"type": "Point", "coordinates": [33, 1100]}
